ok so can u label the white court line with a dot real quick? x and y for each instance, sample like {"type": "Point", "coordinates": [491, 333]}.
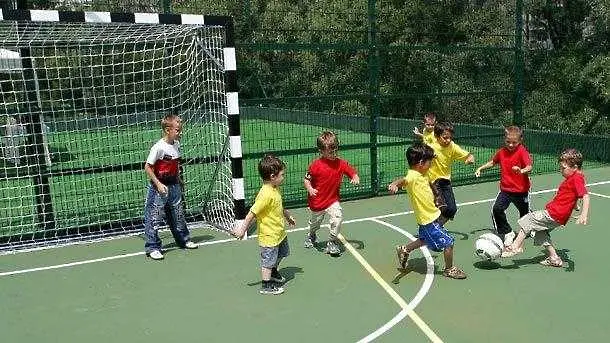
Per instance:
{"type": "Point", "coordinates": [407, 309]}
{"type": "Point", "coordinates": [600, 195]}
{"type": "Point", "coordinates": [65, 265]}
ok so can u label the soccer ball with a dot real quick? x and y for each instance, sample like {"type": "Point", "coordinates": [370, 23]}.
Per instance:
{"type": "Point", "coordinates": [488, 247]}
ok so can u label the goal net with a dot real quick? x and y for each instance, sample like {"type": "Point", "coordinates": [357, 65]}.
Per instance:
{"type": "Point", "coordinates": [81, 104]}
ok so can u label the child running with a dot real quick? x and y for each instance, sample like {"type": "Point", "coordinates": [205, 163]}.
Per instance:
{"type": "Point", "coordinates": [431, 231]}
{"type": "Point", "coordinates": [515, 164]}
{"type": "Point", "coordinates": [270, 214]}
{"type": "Point", "coordinates": [446, 152]}
{"type": "Point", "coordinates": [322, 182]}
{"type": "Point", "coordinates": [557, 211]}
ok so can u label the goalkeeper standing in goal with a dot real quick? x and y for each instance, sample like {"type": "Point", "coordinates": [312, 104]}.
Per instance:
{"type": "Point", "coordinates": [165, 190]}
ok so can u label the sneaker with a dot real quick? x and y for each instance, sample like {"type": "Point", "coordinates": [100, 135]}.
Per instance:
{"type": "Point", "coordinates": [454, 273]}
{"type": "Point", "coordinates": [277, 277]}
{"type": "Point", "coordinates": [156, 255]}
{"type": "Point", "coordinates": [272, 289]}
{"type": "Point", "coordinates": [332, 248]}
{"type": "Point", "coordinates": [190, 245]}
{"type": "Point", "coordinates": [310, 240]}
{"type": "Point", "coordinates": [509, 238]}
{"type": "Point", "coordinates": [403, 257]}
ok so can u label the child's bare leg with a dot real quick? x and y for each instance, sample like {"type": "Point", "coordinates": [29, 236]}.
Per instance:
{"type": "Point", "coordinates": [266, 273]}
{"type": "Point", "coordinates": [519, 240]}
{"type": "Point", "coordinates": [552, 253]}
{"type": "Point", "coordinates": [448, 256]}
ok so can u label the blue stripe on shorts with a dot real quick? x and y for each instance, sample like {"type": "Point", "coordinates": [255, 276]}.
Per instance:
{"type": "Point", "coordinates": [435, 236]}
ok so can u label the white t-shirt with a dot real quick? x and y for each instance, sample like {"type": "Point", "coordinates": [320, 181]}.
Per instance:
{"type": "Point", "coordinates": [165, 159]}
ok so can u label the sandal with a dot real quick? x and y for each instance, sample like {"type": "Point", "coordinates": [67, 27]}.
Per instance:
{"type": "Point", "coordinates": [550, 262]}
{"type": "Point", "coordinates": [510, 252]}
{"type": "Point", "coordinates": [454, 273]}
{"type": "Point", "coordinates": [403, 257]}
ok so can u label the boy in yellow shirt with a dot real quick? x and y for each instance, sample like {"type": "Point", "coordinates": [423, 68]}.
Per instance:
{"type": "Point", "coordinates": [431, 231]}
{"type": "Point", "coordinates": [446, 152]}
{"type": "Point", "coordinates": [270, 214]}
{"type": "Point", "coordinates": [427, 135]}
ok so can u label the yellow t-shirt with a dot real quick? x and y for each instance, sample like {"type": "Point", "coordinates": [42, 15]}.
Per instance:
{"type": "Point", "coordinates": [441, 164]}
{"type": "Point", "coordinates": [269, 212]}
{"type": "Point", "coordinates": [428, 137]}
{"type": "Point", "coordinates": [421, 197]}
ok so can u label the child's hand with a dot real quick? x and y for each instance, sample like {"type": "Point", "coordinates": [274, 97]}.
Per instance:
{"type": "Point", "coordinates": [238, 232]}
{"type": "Point", "coordinates": [392, 188]}
{"type": "Point", "coordinates": [516, 169]}
{"type": "Point", "coordinates": [582, 219]}
{"type": "Point", "coordinates": [291, 221]}
{"type": "Point", "coordinates": [312, 192]}
{"type": "Point", "coordinates": [477, 173]}
{"type": "Point", "coordinates": [355, 180]}
{"type": "Point", "coordinates": [416, 131]}
{"type": "Point", "coordinates": [469, 159]}
{"type": "Point", "coordinates": [161, 188]}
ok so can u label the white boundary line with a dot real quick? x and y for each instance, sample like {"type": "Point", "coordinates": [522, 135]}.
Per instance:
{"type": "Point", "coordinates": [600, 195]}
{"type": "Point", "coordinates": [407, 309]}
{"type": "Point", "coordinates": [65, 265]}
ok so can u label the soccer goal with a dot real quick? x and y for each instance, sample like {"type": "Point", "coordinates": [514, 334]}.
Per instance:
{"type": "Point", "coordinates": [83, 94]}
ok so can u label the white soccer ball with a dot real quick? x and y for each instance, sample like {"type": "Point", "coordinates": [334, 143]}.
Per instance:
{"type": "Point", "coordinates": [488, 246]}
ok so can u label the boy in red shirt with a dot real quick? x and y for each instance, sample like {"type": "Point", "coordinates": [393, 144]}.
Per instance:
{"type": "Point", "coordinates": [515, 164]}
{"type": "Point", "coordinates": [557, 211]}
{"type": "Point", "coordinates": [322, 182]}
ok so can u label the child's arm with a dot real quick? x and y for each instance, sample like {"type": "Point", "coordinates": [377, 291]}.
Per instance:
{"type": "Point", "coordinates": [240, 231]}
{"type": "Point", "coordinates": [396, 185]}
{"type": "Point", "coordinates": [351, 172]}
{"type": "Point", "coordinates": [487, 165]}
{"type": "Point", "coordinates": [161, 188]}
{"type": "Point", "coordinates": [312, 191]}
{"type": "Point", "coordinates": [417, 133]}
{"type": "Point", "coordinates": [525, 170]}
{"type": "Point", "coordinates": [289, 218]}
{"type": "Point", "coordinates": [469, 159]}
{"type": "Point", "coordinates": [582, 219]}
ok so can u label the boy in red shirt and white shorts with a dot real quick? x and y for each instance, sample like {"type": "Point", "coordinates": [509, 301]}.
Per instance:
{"type": "Point", "coordinates": [322, 182]}
{"type": "Point", "coordinates": [515, 164]}
{"type": "Point", "coordinates": [557, 211]}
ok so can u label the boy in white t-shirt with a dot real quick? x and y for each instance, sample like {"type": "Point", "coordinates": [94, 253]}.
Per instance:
{"type": "Point", "coordinates": [165, 190]}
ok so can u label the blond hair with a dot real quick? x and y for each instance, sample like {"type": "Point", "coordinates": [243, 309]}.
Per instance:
{"type": "Point", "coordinates": [327, 140]}
{"type": "Point", "coordinates": [513, 130]}
{"type": "Point", "coordinates": [169, 120]}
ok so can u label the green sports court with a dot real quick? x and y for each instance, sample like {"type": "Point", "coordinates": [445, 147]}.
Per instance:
{"type": "Point", "coordinates": [111, 292]}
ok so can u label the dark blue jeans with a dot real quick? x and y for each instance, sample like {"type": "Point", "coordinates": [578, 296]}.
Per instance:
{"type": "Point", "coordinates": [444, 198]}
{"type": "Point", "coordinates": [504, 199]}
{"type": "Point", "coordinates": [159, 206]}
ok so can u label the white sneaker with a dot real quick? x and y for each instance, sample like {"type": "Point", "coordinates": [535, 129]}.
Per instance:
{"type": "Point", "coordinates": [509, 238]}
{"type": "Point", "coordinates": [190, 245]}
{"type": "Point", "coordinates": [156, 255]}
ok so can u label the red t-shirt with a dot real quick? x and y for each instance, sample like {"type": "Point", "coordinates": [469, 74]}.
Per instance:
{"type": "Point", "coordinates": [326, 175]}
{"type": "Point", "coordinates": [570, 190]}
{"type": "Point", "coordinates": [511, 181]}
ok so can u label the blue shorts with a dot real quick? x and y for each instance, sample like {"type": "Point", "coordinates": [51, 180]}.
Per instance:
{"type": "Point", "coordinates": [435, 236]}
{"type": "Point", "coordinates": [271, 255]}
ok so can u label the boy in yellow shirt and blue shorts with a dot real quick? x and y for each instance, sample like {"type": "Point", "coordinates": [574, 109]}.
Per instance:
{"type": "Point", "coordinates": [269, 212]}
{"type": "Point", "coordinates": [431, 231]}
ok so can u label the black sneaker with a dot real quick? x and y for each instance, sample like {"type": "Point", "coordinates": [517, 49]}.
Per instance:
{"type": "Point", "coordinates": [277, 277]}
{"type": "Point", "coordinates": [271, 289]}
{"type": "Point", "coordinates": [310, 240]}
{"type": "Point", "coordinates": [332, 248]}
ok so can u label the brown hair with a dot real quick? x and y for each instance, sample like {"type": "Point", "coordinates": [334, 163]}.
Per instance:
{"type": "Point", "coordinates": [430, 115]}
{"type": "Point", "coordinates": [441, 127]}
{"type": "Point", "coordinates": [572, 157]}
{"type": "Point", "coordinates": [327, 140]}
{"type": "Point", "coordinates": [169, 120]}
{"type": "Point", "coordinates": [270, 165]}
{"type": "Point", "coordinates": [515, 130]}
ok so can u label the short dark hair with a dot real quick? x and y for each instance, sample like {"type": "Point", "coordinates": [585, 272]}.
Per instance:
{"type": "Point", "coordinates": [430, 115]}
{"type": "Point", "coordinates": [441, 127]}
{"type": "Point", "coordinates": [572, 157]}
{"type": "Point", "coordinates": [419, 152]}
{"type": "Point", "coordinates": [270, 165]}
